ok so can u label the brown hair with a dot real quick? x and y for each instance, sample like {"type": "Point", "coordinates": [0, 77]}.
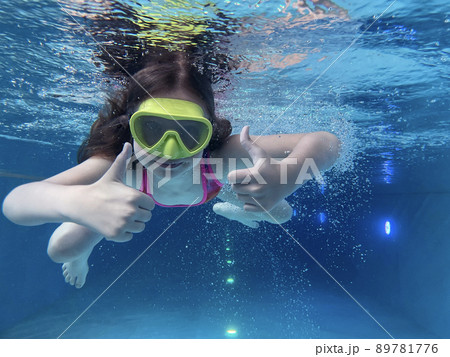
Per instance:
{"type": "Point", "coordinates": [162, 71]}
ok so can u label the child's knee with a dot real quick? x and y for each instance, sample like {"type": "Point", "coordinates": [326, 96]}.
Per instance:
{"type": "Point", "coordinates": [57, 250]}
{"type": "Point", "coordinates": [61, 244]}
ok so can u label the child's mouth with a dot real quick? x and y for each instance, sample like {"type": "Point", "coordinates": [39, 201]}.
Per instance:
{"type": "Point", "coordinates": [170, 165]}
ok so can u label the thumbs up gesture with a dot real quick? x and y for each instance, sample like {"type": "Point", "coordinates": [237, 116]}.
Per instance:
{"type": "Point", "coordinates": [111, 208]}
{"type": "Point", "coordinates": [259, 187]}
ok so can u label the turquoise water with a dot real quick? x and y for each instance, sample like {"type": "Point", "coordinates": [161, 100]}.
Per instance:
{"type": "Point", "coordinates": [380, 85]}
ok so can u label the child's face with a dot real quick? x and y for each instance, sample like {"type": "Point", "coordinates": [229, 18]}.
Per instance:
{"type": "Point", "coordinates": [163, 167]}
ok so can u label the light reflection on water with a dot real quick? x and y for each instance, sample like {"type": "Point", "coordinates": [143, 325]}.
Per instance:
{"type": "Point", "coordinates": [263, 55]}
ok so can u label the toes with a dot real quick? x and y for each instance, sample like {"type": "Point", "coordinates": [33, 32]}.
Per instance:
{"type": "Point", "coordinates": [79, 285]}
{"type": "Point", "coordinates": [251, 224]}
{"type": "Point", "coordinates": [66, 273]}
{"type": "Point", "coordinates": [75, 273]}
{"type": "Point", "coordinates": [67, 277]}
{"type": "Point", "coordinates": [70, 279]}
{"type": "Point", "coordinates": [80, 282]}
{"type": "Point", "coordinates": [235, 213]}
{"type": "Point", "coordinates": [220, 209]}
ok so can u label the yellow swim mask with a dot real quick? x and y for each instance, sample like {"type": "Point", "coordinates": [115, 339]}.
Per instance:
{"type": "Point", "coordinates": [170, 128]}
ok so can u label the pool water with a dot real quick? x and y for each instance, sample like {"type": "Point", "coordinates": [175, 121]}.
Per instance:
{"type": "Point", "coordinates": [364, 256]}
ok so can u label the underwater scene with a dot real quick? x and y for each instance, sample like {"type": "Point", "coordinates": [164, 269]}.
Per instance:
{"type": "Point", "coordinates": [366, 252]}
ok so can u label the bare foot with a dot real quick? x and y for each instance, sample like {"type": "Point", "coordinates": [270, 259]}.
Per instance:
{"type": "Point", "coordinates": [75, 272]}
{"type": "Point", "coordinates": [235, 213]}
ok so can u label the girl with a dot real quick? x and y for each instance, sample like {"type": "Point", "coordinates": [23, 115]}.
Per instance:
{"type": "Point", "coordinates": [184, 154]}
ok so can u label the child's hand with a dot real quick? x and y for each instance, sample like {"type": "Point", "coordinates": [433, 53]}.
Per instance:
{"type": "Point", "coordinates": [259, 187]}
{"type": "Point", "coordinates": [111, 208]}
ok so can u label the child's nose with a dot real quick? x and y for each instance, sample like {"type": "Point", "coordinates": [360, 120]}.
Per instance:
{"type": "Point", "coordinates": [171, 148]}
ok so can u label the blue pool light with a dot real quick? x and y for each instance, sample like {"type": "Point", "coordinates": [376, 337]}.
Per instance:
{"type": "Point", "coordinates": [322, 217]}
{"type": "Point", "coordinates": [294, 213]}
{"type": "Point", "coordinates": [387, 227]}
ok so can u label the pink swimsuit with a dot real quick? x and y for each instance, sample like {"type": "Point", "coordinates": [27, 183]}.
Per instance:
{"type": "Point", "coordinates": [211, 186]}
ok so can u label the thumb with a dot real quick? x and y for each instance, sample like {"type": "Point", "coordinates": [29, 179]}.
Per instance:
{"type": "Point", "coordinates": [118, 168]}
{"type": "Point", "coordinates": [256, 152]}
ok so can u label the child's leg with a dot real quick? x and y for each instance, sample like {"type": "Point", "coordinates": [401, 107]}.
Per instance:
{"type": "Point", "coordinates": [233, 209]}
{"type": "Point", "coordinates": [72, 244]}
{"type": "Point", "coordinates": [236, 213]}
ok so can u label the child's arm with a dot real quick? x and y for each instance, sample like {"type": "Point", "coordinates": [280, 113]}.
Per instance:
{"type": "Point", "coordinates": [322, 146]}
{"type": "Point", "coordinates": [278, 161]}
{"type": "Point", "coordinates": [42, 202]}
{"type": "Point", "coordinates": [91, 194]}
